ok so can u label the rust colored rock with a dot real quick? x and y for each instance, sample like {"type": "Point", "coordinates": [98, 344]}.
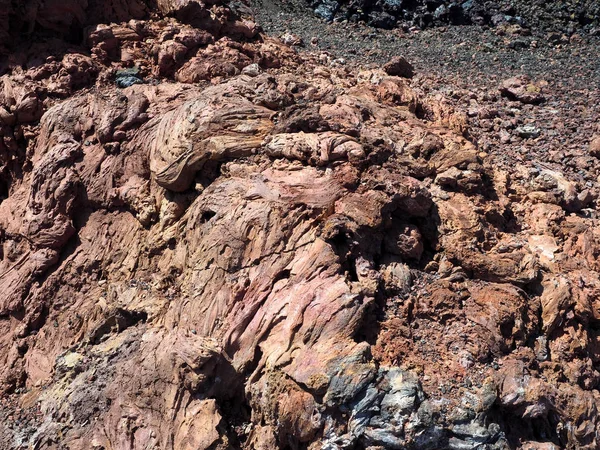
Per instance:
{"type": "Point", "coordinates": [522, 88]}
{"type": "Point", "coordinates": [398, 66]}
{"type": "Point", "coordinates": [595, 147]}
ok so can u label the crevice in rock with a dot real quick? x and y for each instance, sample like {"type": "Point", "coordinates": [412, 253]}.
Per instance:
{"type": "Point", "coordinates": [116, 322]}
{"type": "Point", "coordinates": [516, 428]}
{"type": "Point", "coordinates": [4, 188]}
{"type": "Point", "coordinates": [207, 215]}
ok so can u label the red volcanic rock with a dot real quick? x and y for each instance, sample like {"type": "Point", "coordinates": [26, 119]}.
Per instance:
{"type": "Point", "coordinates": [398, 66]}
{"type": "Point", "coordinates": [595, 146]}
{"type": "Point", "coordinates": [522, 89]}
{"type": "Point", "coordinates": [210, 241]}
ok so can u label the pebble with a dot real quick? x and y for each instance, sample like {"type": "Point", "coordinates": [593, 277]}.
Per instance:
{"type": "Point", "coordinates": [252, 70]}
{"type": "Point", "coordinates": [594, 148]}
{"type": "Point", "coordinates": [528, 132]}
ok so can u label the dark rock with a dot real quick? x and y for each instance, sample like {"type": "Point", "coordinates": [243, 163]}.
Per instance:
{"type": "Point", "coordinates": [380, 19]}
{"type": "Point", "coordinates": [393, 6]}
{"type": "Point", "coordinates": [498, 19]}
{"type": "Point", "coordinates": [425, 13]}
{"type": "Point", "coordinates": [124, 82]}
{"type": "Point", "coordinates": [518, 44]}
{"type": "Point", "coordinates": [128, 77]}
{"type": "Point", "coordinates": [327, 9]}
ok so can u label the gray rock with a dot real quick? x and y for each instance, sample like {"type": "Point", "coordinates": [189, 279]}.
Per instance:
{"type": "Point", "coordinates": [528, 132]}
{"type": "Point", "coordinates": [385, 438]}
{"type": "Point", "coordinates": [124, 82]}
{"type": "Point", "coordinates": [353, 374]}
{"type": "Point", "coordinates": [327, 9]}
{"type": "Point", "coordinates": [252, 70]}
{"type": "Point", "coordinates": [429, 438]}
{"type": "Point", "coordinates": [393, 5]}
{"type": "Point", "coordinates": [404, 396]}
{"type": "Point", "coordinates": [472, 432]}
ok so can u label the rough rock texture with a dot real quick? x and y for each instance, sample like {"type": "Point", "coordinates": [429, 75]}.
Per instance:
{"type": "Point", "coordinates": [562, 16]}
{"type": "Point", "coordinates": [247, 247]}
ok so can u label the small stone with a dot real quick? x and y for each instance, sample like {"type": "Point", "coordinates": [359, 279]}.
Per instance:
{"type": "Point", "coordinates": [119, 135]}
{"type": "Point", "coordinates": [518, 44]}
{"type": "Point", "coordinates": [432, 267]}
{"type": "Point", "coordinates": [449, 178]}
{"type": "Point", "coordinates": [252, 70]}
{"type": "Point", "coordinates": [292, 39]}
{"type": "Point", "coordinates": [541, 348]}
{"type": "Point", "coordinates": [528, 132]}
{"type": "Point", "coordinates": [594, 148]}
{"type": "Point", "coordinates": [125, 82]}
{"type": "Point", "coordinates": [327, 9]}
{"type": "Point", "coordinates": [585, 197]}
{"type": "Point", "coordinates": [398, 66]}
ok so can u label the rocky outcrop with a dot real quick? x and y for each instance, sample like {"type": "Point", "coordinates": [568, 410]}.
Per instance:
{"type": "Point", "coordinates": [209, 241]}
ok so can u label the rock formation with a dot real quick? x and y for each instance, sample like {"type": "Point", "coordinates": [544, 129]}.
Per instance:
{"type": "Point", "coordinates": [210, 241]}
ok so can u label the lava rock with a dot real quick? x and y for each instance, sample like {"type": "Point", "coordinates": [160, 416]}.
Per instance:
{"type": "Point", "coordinates": [521, 88]}
{"type": "Point", "coordinates": [125, 82]}
{"type": "Point", "coordinates": [398, 66]}
{"type": "Point", "coordinates": [128, 77]}
{"type": "Point", "coordinates": [594, 148]}
{"type": "Point", "coordinates": [528, 132]}
{"type": "Point", "coordinates": [380, 19]}
{"type": "Point", "coordinates": [327, 9]}
{"type": "Point", "coordinates": [518, 44]}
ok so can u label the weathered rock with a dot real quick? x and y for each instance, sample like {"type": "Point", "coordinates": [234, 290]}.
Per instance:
{"type": "Point", "coordinates": [528, 132]}
{"type": "Point", "coordinates": [251, 249]}
{"type": "Point", "coordinates": [522, 89]}
{"type": "Point", "coordinates": [399, 67]}
{"type": "Point", "coordinates": [595, 147]}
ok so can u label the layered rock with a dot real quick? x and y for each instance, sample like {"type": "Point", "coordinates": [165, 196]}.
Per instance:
{"type": "Point", "coordinates": [244, 247]}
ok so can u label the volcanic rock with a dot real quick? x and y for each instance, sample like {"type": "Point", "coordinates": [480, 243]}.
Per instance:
{"type": "Point", "coordinates": [595, 147]}
{"type": "Point", "coordinates": [399, 67]}
{"type": "Point", "coordinates": [258, 248]}
{"type": "Point", "coordinates": [522, 89]}
{"type": "Point", "coordinates": [564, 16]}
{"type": "Point", "coordinates": [528, 132]}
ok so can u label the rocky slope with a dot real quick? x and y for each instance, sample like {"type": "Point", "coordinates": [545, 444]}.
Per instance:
{"type": "Point", "coordinates": [211, 241]}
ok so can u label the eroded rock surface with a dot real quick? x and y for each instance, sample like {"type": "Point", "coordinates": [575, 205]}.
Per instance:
{"type": "Point", "coordinates": [247, 247]}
